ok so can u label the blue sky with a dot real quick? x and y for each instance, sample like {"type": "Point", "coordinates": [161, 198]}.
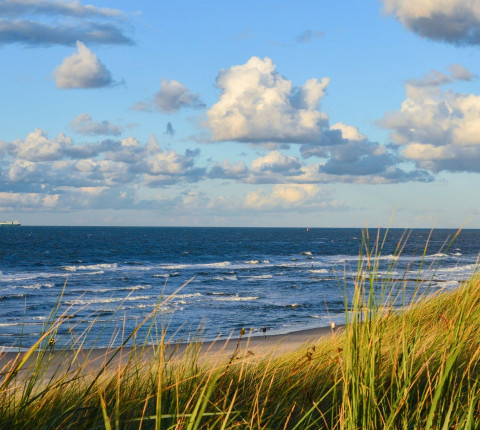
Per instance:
{"type": "Point", "coordinates": [240, 113]}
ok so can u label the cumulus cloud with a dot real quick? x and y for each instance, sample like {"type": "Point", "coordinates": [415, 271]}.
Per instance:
{"type": "Point", "coordinates": [84, 124]}
{"type": "Point", "coordinates": [83, 174]}
{"type": "Point", "coordinates": [174, 96]}
{"type": "Point", "coordinates": [171, 97]}
{"type": "Point", "coordinates": [351, 157]}
{"type": "Point", "coordinates": [437, 129]}
{"type": "Point", "coordinates": [452, 21]}
{"type": "Point", "coordinates": [276, 162]}
{"type": "Point", "coordinates": [30, 22]}
{"type": "Point", "coordinates": [258, 105]}
{"type": "Point", "coordinates": [38, 147]}
{"type": "Point", "coordinates": [82, 70]}
{"type": "Point", "coordinates": [16, 201]}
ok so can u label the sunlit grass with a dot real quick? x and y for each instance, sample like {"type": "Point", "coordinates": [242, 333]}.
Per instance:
{"type": "Point", "coordinates": [396, 364]}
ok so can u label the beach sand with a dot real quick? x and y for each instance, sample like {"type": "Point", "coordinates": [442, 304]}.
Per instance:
{"type": "Point", "coordinates": [91, 361]}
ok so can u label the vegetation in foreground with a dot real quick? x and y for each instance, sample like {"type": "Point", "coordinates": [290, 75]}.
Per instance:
{"type": "Point", "coordinates": [415, 368]}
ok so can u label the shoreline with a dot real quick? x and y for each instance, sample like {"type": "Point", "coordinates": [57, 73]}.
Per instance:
{"type": "Point", "coordinates": [94, 359]}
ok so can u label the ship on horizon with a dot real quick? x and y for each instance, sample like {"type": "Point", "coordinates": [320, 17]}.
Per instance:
{"type": "Point", "coordinates": [15, 223]}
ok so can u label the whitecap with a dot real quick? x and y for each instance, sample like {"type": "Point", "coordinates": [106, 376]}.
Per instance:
{"type": "Point", "coordinates": [186, 296]}
{"type": "Point", "coordinates": [38, 285]}
{"type": "Point", "coordinates": [107, 300]}
{"type": "Point", "coordinates": [260, 277]}
{"type": "Point", "coordinates": [103, 266]}
{"type": "Point", "coordinates": [235, 299]}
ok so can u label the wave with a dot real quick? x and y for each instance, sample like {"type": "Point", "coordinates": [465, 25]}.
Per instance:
{"type": "Point", "coordinates": [103, 266]}
{"type": "Point", "coordinates": [195, 266]}
{"type": "Point", "coordinates": [226, 278]}
{"type": "Point", "coordinates": [318, 270]}
{"type": "Point", "coordinates": [13, 296]}
{"type": "Point", "coordinates": [38, 286]}
{"type": "Point", "coordinates": [309, 253]}
{"type": "Point", "coordinates": [26, 276]}
{"type": "Point", "coordinates": [16, 324]}
{"type": "Point", "coordinates": [437, 255]}
{"type": "Point", "coordinates": [235, 298]}
{"type": "Point", "coordinates": [86, 302]}
{"type": "Point", "coordinates": [466, 268]}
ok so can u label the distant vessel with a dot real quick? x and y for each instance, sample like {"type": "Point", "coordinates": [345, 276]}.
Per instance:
{"type": "Point", "coordinates": [17, 223]}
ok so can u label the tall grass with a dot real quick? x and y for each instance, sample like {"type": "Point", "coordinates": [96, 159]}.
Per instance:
{"type": "Point", "coordinates": [397, 364]}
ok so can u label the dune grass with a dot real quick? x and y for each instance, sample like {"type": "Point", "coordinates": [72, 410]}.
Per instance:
{"type": "Point", "coordinates": [411, 367]}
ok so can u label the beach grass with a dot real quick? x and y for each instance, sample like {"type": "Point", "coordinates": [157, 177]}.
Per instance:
{"type": "Point", "coordinates": [395, 365]}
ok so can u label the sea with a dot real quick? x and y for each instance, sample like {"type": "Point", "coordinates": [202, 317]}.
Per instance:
{"type": "Point", "coordinates": [111, 285]}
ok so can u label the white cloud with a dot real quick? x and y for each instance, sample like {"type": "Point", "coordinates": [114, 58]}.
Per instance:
{"type": "Point", "coordinates": [453, 21]}
{"type": "Point", "coordinates": [174, 96]}
{"type": "Point", "coordinates": [437, 129]}
{"type": "Point", "coordinates": [259, 105]}
{"type": "Point", "coordinates": [276, 162]}
{"type": "Point", "coordinates": [38, 147]}
{"type": "Point", "coordinates": [282, 196]}
{"type": "Point", "coordinates": [15, 201]}
{"type": "Point", "coordinates": [84, 124]}
{"type": "Point", "coordinates": [82, 70]}
{"type": "Point", "coordinates": [171, 97]}
{"type": "Point", "coordinates": [50, 166]}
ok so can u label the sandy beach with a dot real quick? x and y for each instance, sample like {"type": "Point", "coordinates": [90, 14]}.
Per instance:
{"type": "Point", "coordinates": [92, 360]}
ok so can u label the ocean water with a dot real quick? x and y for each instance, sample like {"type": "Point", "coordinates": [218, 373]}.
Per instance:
{"type": "Point", "coordinates": [282, 279]}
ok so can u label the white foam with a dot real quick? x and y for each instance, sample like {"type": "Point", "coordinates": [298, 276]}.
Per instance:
{"type": "Point", "coordinates": [187, 296]}
{"type": "Point", "coordinates": [38, 285]}
{"type": "Point", "coordinates": [195, 266]}
{"type": "Point", "coordinates": [318, 271]}
{"type": "Point", "coordinates": [437, 255]}
{"type": "Point", "coordinates": [225, 278]}
{"type": "Point", "coordinates": [107, 300]}
{"type": "Point", "coordinates": [103, 266]}
{"type": "Point", "coordinates": [235, 299]}
{"type": "Point", "coordinates": [259, 277]}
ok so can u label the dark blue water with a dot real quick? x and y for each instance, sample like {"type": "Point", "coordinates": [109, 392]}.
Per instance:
{"type": "Point", "coordinates": [282, 279]}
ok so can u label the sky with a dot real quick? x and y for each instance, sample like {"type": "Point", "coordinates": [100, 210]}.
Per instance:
{"type": "Point", "coordinates": [240, 113]}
